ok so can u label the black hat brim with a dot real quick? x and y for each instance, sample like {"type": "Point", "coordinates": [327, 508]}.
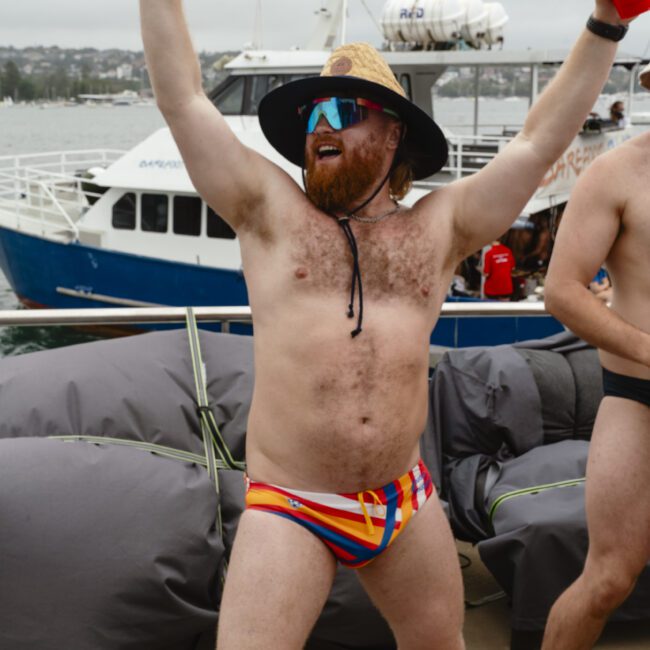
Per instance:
{"type": "Point", "coordinates": [425, 146]}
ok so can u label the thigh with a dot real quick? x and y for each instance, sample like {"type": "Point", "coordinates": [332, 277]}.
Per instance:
{"type": "Point", "coordinates": [617, 494]}
{"type": "Point", "coordinates": [278, 580]}
{"type": "Point", "coordinates": [416, 583]}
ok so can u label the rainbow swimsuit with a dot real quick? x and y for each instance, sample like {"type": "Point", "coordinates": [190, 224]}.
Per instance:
{"type": "Point", "coordinates": [355, 527]}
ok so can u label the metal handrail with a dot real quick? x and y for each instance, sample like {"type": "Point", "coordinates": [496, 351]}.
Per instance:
{"type": "Point", "coordinates": [57, 207]}
{"type": "Point", "coordinates": [63, 155]}
{"type": "Point", "coordinates": [462, 152]}
{"type": "Point", "coordinates": [45, 172]}
{"type": "Point", "coordinates": [480, 137]}
{"type": "Point", "coordinates": [55, 202]}
{"type": "Point", "coordinates": [141, 316]}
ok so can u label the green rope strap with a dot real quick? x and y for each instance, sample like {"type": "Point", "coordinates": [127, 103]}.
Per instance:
{"type": "Point", "coordinates": [212, 438]}
{"type": "Point", "coordinates": [209, 428]}
{"type": "Point", "coordinates": [159, 450]}
{"type": "Point", "coordinates": [531, 490]}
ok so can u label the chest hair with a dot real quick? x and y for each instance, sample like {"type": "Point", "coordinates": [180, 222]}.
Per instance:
{"type": "Point", "coordinates": [398, 257]}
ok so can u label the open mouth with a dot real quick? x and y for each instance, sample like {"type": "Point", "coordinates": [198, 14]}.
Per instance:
{"type": "Point", "coordinates": [328, 151]}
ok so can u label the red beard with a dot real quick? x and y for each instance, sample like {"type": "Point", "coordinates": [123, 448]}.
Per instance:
{"type": "Point", "coordinates": [343, 185]}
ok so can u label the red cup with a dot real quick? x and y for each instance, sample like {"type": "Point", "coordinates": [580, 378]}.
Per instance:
{"type": "Point", "coordinates": [631, 8]}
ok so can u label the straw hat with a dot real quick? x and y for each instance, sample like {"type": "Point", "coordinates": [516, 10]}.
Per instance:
{"type": "Point", "coordinates": [356, 69]}
{"type": "Point", "coordinates": [644, 77]}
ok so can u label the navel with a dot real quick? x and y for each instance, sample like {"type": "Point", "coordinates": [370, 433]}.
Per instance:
{"type": "Point", "coordinates": [301, 273]}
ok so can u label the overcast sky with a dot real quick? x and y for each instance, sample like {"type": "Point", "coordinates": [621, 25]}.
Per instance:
{"type": "Point", "coordinates": [228, 24]}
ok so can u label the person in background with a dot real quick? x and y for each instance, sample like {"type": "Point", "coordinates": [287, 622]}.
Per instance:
{"type": "Point", "coordinates": [471, 272]}
{"type": "Point", "coordinates": [607, 220]}
{"type": "Point", "coordinates": [539, 252]}
{"type": "Point", "coordinates": [615, 119]}
{"type": "Point", "coordinates": [458, 287]}
{"type": "Point", "coordinates": [617, 114]}
{"type": "Point", "coordinates": [498, 265]}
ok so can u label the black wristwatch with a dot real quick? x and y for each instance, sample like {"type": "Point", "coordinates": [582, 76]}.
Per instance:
{"type": "Point", "coordinates": [606, 30]}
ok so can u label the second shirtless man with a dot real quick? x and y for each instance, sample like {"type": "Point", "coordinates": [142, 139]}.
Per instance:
{"type": "Point", "coordinates": [608, 220]}
{"type": "Point", "coordinates": [335, 421]}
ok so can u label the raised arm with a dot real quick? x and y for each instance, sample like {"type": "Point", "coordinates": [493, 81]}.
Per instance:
{"type": "Point", "coordinates": [590, 226]}
{"type": "Point", "coordinates": [487, 203]}
{"type": "Point", "coordinates": [232, 178]}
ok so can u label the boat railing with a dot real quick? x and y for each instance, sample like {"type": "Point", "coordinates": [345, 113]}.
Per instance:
{"type": "Point", "coordinates": [467, 155]}
{"type": "Point", "coordinates": [226, 315]}
{"type": "Point", "coordinates": [57, 205]}
{"type": "Point", "coordinates": [64, 162]}
{"type": "Point", "coordinates": [51, 189]}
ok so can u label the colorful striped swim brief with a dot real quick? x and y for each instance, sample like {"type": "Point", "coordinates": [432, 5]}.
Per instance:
{"type": "Point", "coordinates": [355, 527]}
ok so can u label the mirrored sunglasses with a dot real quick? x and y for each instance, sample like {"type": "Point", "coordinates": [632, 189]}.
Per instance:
{"type": "Point", "coordinates": [340, 112]}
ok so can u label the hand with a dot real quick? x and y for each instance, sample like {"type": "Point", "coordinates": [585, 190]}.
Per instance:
{"type": "Point", "coordinates": [606, 12]}
{"type": "Point", "coordinates": [600, 287]}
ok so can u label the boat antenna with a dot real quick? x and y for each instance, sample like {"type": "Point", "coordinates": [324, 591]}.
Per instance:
{"type": "Point", "coordinates": [327, 28]}
{"type": "Point", "coordinates": [257, 28]}
{"type": "Point", "coordinates": [372, 17]}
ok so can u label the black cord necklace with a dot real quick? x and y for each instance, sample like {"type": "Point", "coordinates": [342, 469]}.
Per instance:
{"type": "Point", "coordinates": [344, 222]}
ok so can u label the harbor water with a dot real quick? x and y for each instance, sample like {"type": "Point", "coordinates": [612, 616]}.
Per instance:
{"type": "Point", "coordinates": [35, 129]}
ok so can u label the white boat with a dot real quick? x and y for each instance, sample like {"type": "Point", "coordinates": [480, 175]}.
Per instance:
{"type": "Point", "coordinates": [139, 235]}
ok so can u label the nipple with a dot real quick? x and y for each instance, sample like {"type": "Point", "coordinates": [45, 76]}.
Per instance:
{"type": "Point", "coordinates": [301, 273]}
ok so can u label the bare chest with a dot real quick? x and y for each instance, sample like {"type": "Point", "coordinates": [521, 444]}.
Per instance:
{"type": "Point", "coordinates": [398, 258]}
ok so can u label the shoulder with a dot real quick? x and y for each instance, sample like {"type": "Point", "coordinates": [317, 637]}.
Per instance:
{"type": "Point", "coordinates": [435, 211]}
{"type": "Point", "coordinates": [620, 159]}
{"type": "Point", "coordinates": [435, 208]}
{"type": "Point", "coordinates": [620, 174]}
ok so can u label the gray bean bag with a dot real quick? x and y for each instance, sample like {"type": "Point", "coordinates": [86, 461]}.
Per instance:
{"type": "Point", "coordinates": [514, 424]}
{"type": "Point", "coordinates": [112, 534]}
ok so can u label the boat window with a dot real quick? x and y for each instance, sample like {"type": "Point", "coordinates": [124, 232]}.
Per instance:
{"type": "Point", "coordinates": [275, 81]}
{"type": "Point", "coordinates": [187, 215]}
{"type": "Point", "coordinates": [155, 208]}
{"type": "Point", "coordinates": [217, 227]}
{"type": "Point", "coordinates": [259, 88]}
{"type": "Point", "coordinates": [230, 100]}
{"type": "Point", "coordinates": [260, 85]}
{"type": "Point", "coordinates": [124, 212]}
{"type": "Point", "coordinates": [405, 82]}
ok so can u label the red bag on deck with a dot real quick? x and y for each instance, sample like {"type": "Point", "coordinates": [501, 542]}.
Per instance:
{"type": "Point", "coordinates": [631, 8]}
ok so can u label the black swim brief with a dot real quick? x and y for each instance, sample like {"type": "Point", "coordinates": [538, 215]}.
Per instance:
{"type": "Point", "coordinates": [633, 388]}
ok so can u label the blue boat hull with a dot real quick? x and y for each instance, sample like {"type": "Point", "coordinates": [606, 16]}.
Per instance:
{"type": "Point", "coordinates": [35, 267]}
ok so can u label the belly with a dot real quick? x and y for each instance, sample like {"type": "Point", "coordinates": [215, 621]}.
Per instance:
{"type": "Point", "coordinates": [333, 413]}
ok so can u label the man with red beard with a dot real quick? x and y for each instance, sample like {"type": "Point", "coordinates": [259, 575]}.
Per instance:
{"type": "Point", "coordinates": [341, 380]}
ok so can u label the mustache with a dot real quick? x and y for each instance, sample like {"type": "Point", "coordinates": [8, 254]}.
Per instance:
{"type": "Point", "coordinates": [329, 140]}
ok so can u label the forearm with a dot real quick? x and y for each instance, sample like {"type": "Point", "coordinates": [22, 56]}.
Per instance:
{"type": "Point", "coordinates": [171, 61]}
{"type": "Point", "coordinates": [562, 108]}
{"type": "Point", "coordinates": [592, 320]}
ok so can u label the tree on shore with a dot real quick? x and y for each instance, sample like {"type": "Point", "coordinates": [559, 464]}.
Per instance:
{"type": "Point", "coordinates": [56, 84]}
{"type": "Point", "coordinates": [10, 80]}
